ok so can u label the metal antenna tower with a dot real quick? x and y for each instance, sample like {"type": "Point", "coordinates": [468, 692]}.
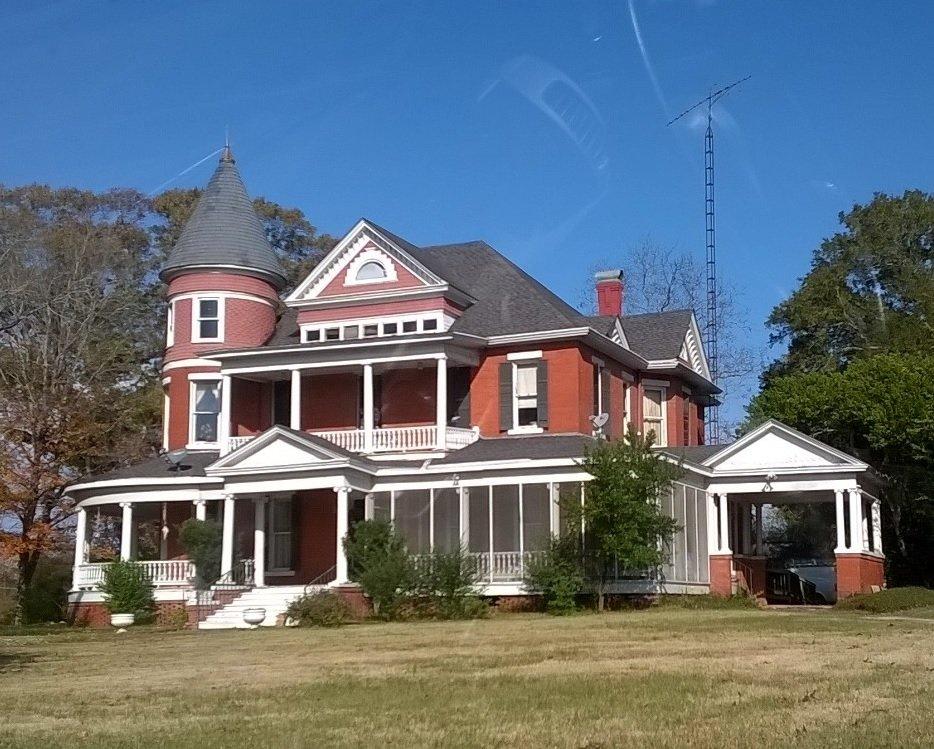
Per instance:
{"type": "Point", "coordinates": [710, 328]}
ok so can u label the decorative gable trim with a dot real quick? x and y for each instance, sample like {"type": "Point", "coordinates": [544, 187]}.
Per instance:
{"type": "Point", "coordinates": [692, 349]}
{"type": "Point", "coordinates": [277, 448]}
{"type": "Point", "coordinates": [618, 335]}
{"type": "Point", "coordinates": [355, 244]}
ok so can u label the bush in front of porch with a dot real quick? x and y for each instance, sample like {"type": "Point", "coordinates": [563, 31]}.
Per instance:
{"type": "Point", "coordinates": [202, 541]}
{"type": "Point", "coordinates": [127, 589]}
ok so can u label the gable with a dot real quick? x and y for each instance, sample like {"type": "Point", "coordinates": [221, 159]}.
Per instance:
{"type": "Point", "coordinates": [692, 350]}
{"type": "Point", "coordinates": [278, 447]}
{"type": "Point", "coordinates": [365, 262]}
{"type": "Point", "coordinates": [776, 446]}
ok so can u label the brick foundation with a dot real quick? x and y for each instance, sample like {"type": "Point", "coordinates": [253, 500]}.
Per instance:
{"type": "Point", "coordinates": [858, 573]}
{"type": "Point", "coordinates": [721, 575]}
{"type": "Point", "coordinates": [95, 614]}
{"type": "Point", "coordinates": [360, 605]}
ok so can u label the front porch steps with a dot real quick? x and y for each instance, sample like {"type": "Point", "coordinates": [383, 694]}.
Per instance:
{"type": "Point", "coordinates": [275, 599]}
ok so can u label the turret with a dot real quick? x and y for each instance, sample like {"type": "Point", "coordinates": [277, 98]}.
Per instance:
{"type": "Point", "coordinates": [223, 293]}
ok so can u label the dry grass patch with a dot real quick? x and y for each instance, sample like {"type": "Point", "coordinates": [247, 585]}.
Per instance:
{"type": "Point", "coordinates": [659, 677]}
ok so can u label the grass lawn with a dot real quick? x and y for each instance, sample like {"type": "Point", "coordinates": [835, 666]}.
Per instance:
{"type": "Point", "coordinates": [660, 677]}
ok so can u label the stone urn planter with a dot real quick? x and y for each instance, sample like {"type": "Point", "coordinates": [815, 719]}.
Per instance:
{"type": "Point", "coordinates": [122, 620]}
{"type": "Point", "coordinates": [254, 617]}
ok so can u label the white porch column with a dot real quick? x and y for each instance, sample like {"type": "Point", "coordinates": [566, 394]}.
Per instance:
{"type": "Point", "coordinates": [223, 432]}
{"type": "Point", "coordinates": [81, 532]}
{"type": "Point", "coordinates": [369, 507]}
{"type": "Point", "coordinates": [295, 400]}
{"type": "Point", "coordinates": [441, 402]}
{"type": "Point", "coordinates": [201, 509]}
{"type": "Point", "coordinates": [725, 525]}
{"type": "Point", "coordinates": [464, 494]}
{"type": "Point", "coordinates": [126, 531]}
{"type": "Point", "coordinates": [876, 514]}
{"type": "Point", "coordinates": [841, 521]}
{"type": "Point", "coordinates": [713, 533]}
{"type": "Point", "coordinates": [368, 408]}
{"type": "Point", "coordinates": [259, 542]}
{"type": "Point", "coordinates": [227, 539]}
{"type": "Point", "coordinates": [856, 520]}
{"type": "Point", "coordinates": [340, 567]}
{"type": "Point", "coordinates": [760, 535]}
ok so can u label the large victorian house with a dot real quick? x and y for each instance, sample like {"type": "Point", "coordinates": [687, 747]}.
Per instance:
{"type": "Point", "coordinates": [440, 387]}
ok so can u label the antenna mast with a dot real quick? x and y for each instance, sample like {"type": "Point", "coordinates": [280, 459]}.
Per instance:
{"type": "Point", "coordinates": [711, 326]}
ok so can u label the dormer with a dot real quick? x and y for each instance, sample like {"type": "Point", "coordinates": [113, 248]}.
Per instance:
{"type": "Point", "coordinates": [373, 285]}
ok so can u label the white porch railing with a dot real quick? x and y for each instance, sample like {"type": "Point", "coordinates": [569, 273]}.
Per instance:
{"type": "Point", "coordinates": [162, 572]}
{"type": "Point", "coordinates": [388, 439]}
{"type": "Point", "coordinates": [502, 566]}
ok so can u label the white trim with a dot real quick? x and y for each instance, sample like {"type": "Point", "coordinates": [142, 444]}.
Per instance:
{"type": "Point", "coordinates": [443, 322]}
{"type": "Point", "coordinates": [384, 341]}
{"type": "Point", "coordinates": [166, 410]}
{"type": "Point", "coordinates": [525, 430]}
{"type": "Point", "coordinates": [194, 380]}
{"type": "Point", "coordinates": [197, 319]}
{"type": "Point", "coordinates": [523, 355]}
{"type": "Point", "coordinates": [226, 295]}
{"type": "Point", "coordinates": [543, 335]}
{"type": "Point", "coordinates": [661, 440]}
{"type": "Point", "coordinates": [656, 383]}
{"type": "Point", "coordinates": [170, 324]}
{"type": "Point", "coordinates": [205, 376]}
{"type": "Point", "coordinates": [186, 363]}
{"type": "Point", "coordinates": [381, 296]}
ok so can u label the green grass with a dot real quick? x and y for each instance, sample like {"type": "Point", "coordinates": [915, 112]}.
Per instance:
{"type": "Point", "coordinates": [890, 601]}
{"type": "Point", "coordinates": [657, 677]}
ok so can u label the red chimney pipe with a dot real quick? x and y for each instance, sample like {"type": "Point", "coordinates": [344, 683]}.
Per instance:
{"type": "Point", "coordinates": [610, 292]}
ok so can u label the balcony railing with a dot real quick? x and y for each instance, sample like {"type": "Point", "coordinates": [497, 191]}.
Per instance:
{"type": "Point", "coordinates": [162, 572]}
{"type": "Point", "coordinates": [388, 439]}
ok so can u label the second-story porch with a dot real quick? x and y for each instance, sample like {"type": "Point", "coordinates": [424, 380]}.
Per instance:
{"type": "Point", "coordinates": [400, 404]}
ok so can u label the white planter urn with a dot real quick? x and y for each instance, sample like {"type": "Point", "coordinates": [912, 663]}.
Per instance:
{"type": "Point", "coordinates": [122, 620]}
{"type": "Point", "coordinates": [254, 617]}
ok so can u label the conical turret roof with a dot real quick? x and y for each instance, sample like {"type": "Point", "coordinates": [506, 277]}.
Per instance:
{"type": "Point", "coordinates": [224, 230]}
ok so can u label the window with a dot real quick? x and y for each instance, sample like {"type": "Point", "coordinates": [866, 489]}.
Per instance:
{"type": "Point", "coordinates": [390, 328]}
{"type": "Point", "coordinates": [625, 409]}
{"type": "Point", "coordinates": [332, 334]}
{"type": "Point", "coordinates": [447, 519]}
{"type": "Point", "coordinates": [598, 395]}
{"type": "Point", "coordinates": [208, 320]}
{"type": "Point", "coordinates": [369, 331]}
{"type": "Point", "coordinates": [410, 326]}
{"type": "Point", "coordinates": [526, 390]}
{"type": "Point", "coordinates": [351, 332]}
{"type": "Point", "coordinates": [412, 519]}
{"type": "Point", "coordinates": [205, 411]}
{"type": "Point", "coordinates": [371, 271]}
{"type": "Point", "coordinates": [279, 550]}
{"type": "Point", "coordinates": [430, 324]}
{"type": "Point", "coordinates": [170, 325]}
{"type": "Point", "coordinates": [652, 409]}
{"type": "Point", "coordinates": [312, 335]}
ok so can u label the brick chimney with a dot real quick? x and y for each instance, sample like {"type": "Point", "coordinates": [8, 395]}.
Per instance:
{"type": "Point", "coordinates": [610, 292]}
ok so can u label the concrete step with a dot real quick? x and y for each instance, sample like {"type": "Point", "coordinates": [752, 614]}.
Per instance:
{"type": "Point", "coordinates": [275, 600]}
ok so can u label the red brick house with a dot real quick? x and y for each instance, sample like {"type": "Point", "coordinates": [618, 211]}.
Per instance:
{"type": "Point", "coordinates": [443, 388]}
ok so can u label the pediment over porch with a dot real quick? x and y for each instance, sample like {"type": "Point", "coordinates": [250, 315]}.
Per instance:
{"type": "Point", "coordinates": [280, 448]}
{"type": "Point", "coordinates": [774, 446]}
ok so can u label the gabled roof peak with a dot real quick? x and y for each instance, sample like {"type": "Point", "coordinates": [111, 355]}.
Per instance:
{"type": "Point", "coordinates": [224, 230]}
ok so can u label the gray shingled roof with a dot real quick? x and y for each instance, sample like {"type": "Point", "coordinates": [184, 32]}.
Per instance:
{"type": "Point", "coordinates": [224, 230]}
{"type": "Point", "coordinates": [657, 335]}
{"type": "Point", "coordinates": [533, 446]}
{"type": "Point", "coordinates": [192, 466]}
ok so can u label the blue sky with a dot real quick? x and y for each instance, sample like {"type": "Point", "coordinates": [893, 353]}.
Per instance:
{"type": "Point", "coordinates": [427, 117]}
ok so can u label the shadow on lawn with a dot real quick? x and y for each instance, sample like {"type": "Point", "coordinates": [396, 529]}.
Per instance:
{"type": "Point", "coordinates": [11, 662]}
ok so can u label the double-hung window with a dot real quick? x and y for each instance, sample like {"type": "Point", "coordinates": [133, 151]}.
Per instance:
{"type": "Point", "coordinates": [279, 552]}
{"type": "Point", "coordinates": [205, 411]}
{"type": "Point", "coordinates": [170, 325]}
{"type": "Point", "coordinates": [653, 400]}
{"type": "Point", "coordinates": [208, 322]}
{"type": "Point", "coordinates": [526, 395]}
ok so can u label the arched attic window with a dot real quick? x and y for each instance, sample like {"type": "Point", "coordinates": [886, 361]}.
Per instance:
{"type": "Point", "coordinates": [371, 271]}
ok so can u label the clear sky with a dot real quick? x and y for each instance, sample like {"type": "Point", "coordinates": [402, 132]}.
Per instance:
{"type": "Point", "coordinates": [430, 117]}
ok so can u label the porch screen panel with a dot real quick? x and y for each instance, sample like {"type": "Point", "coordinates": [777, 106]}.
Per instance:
{"type": "Point", "coordinates": [678, 540]}
{"type": "Point", "coordinates": [479, 508]}
{"type": "Point", "coordinates": [506, 518]}
{"type": "Point", "coordinates": [535, 516]}
{"type": "Point", "coordinates": [413, 518]}
{"type": "Point", "coordinates": [700, 506]}
{"type": "Point", "coordinates": [382, 506]}
{"type": "Point", "coordinates": [690, 533]}
{"type": "Point", "coordinates": [447, 519]}
{"type": "Point", "coordinates": [667, 505]}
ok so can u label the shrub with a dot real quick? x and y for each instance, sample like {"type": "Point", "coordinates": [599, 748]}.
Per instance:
{"type": "Point", "coordinates": [324, 609]}
{"type": "Point", "coordinates": [377, 559]}
{"type": "Point", "coordinates": [557, 575]}
{"type": "Point", "coordinates": [445, 586]}
{"type": "Point", "coordinates": [127, 589]}
{"type": "Point", "coordinates": [202, 541]}
{"type": "Point", "coordinates": [891, 600]}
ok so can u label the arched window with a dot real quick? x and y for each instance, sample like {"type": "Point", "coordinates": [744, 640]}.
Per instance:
{"type": "Point", "coordinates": [371, 271]}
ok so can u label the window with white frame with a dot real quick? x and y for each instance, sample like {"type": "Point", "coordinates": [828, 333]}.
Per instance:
{"type": "Point", "coordinates": [205, 411]}
{"type": "Point", "coordinates": [371, 270]}
{"type": "Point", "coordinates": [373, 328]}
{"type": "Point", "coordinates": [279, 551]}
{"type": "Point", "coordinates": [170, 325]}
{"type": "Point", "coordinates": [653, 407]}
{"type": "Point", "coordinates": [525, 402]}
{"type": "Point", "coordinates": [599, 397]}
{"type": "Point", "coordinates": [208, 319]}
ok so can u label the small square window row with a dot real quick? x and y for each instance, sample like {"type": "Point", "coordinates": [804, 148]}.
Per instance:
{"type": "Point", "coordinates": [369, 330]}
